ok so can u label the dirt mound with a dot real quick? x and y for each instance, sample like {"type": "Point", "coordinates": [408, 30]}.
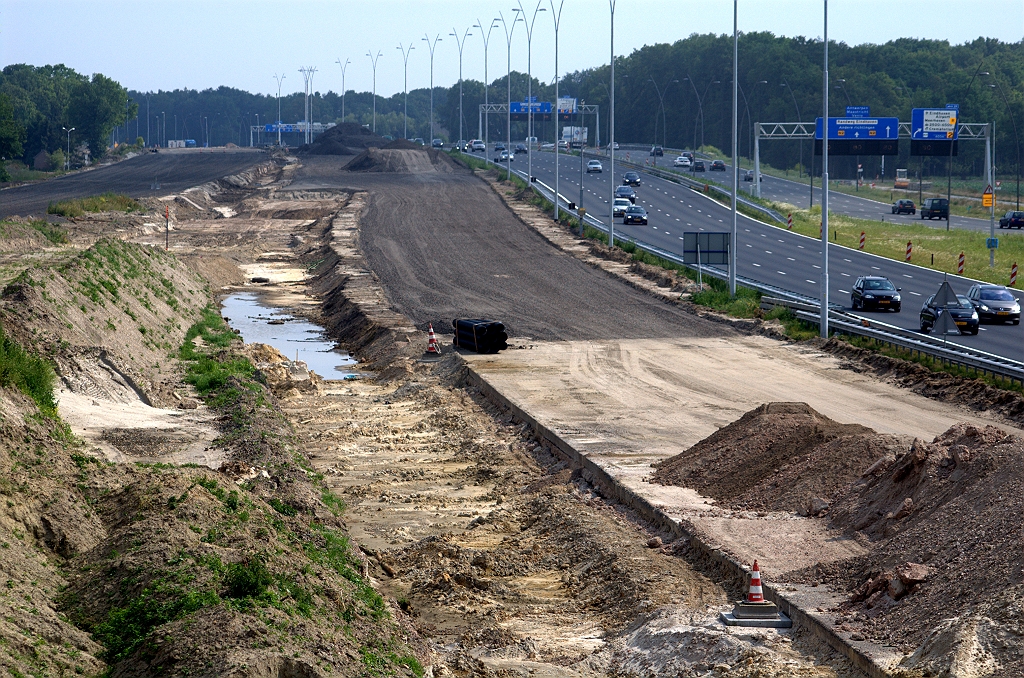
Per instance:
{"type": "Point", "coordinates": [418, 160]}
{"type": "Point", "coordinates": [404, 145]}
{"type": "Point", "coordinates": [348, 138]}
{"type": "Point", "coordinates": [779, 456]}
{"type": "Point", "coordinates": [944, 575]}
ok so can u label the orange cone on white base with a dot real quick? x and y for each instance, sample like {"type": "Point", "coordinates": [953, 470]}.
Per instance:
{"type": "Point", "coordinates": [755, 595]}
{"type": "Point", "coordinates": [432, 345]}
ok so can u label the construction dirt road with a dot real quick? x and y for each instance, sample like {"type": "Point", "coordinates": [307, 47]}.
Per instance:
{"type": "Point", "coordinates": [568, 507]}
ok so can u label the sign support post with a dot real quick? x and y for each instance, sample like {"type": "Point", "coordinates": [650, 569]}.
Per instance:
{"type": "Point", "coordinates": [824, 189]}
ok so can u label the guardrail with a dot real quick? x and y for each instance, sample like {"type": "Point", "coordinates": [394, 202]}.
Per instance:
{"type": "Point", "coordinates": [807, 308]}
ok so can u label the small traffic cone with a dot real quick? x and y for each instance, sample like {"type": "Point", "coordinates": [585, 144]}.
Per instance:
{"type": "Point", "coordinates": [432, 345]}
{"type": "Point", "coordinates": [755, 595]}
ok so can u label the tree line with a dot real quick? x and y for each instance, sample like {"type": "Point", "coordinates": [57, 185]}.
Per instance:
{"type": "Point", "coordinates": [677, 94]}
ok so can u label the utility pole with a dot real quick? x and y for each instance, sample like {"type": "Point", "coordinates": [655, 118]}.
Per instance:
{"type": "Point", "coordinates": [405, 57]}
{"type": "Point", "coordinates": [824, 188]}
{"type": "Point", "coordinates": [279, 78]}
{"type": "Point", "coordinates": [373, 60]}
{"type": "Point", "coordinates": [735, 146]}
{"type": "Point", "coordinates": [529, 82]}
{"type": "Point", "coordinates": [508, 83]}
{"type": "Point", "coordinates": [611, 135]}
{"type": "Point", "coordinates": [67, 160]}
{"type": "Point", "coordinates": [343, 67]}
{"type": "Point", "coordinates": [431, 46]}
{"type": "Point", "coordinates": [461, 45]}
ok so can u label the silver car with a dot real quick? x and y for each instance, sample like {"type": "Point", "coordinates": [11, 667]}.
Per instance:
{"type": "Point", "coordinates": [594, 166]}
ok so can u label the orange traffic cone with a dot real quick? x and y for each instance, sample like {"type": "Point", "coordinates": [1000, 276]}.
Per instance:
{"type": "Point", "coordinates": [432, 345]}
{"type": "Point", "coordinates": [755, 595]}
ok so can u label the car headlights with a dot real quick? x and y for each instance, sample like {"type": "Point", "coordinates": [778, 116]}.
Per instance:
{"type": "Point", "coordinates": [896, 298]}
{"type": "Point", "coordinates": [869, 296]}
{"type": "Point", "coordinates": [984, 307]}
{"type": "Point", "coordinates": [974, 315]}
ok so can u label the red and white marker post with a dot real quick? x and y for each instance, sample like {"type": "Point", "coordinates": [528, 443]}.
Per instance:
{"type": "Point", "coordinates": [960, 264]}
{"type": "Point", "coordinates": [910, 248]}
{"type": "Point", "coordinates": [789, 222]}
{"type": "Point", "coordinates": [862, 238]}
{"type": "Point", "coordinates": [1013, 274]}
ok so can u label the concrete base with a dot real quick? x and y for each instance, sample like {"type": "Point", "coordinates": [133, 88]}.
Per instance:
{"type": "Point", "coordinates": [763, 610]}
{"type": "Point", "coordinates": [781, 622]}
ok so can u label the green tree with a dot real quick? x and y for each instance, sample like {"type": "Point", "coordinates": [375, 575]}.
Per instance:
{"type": "Point", "coordinates": [11, 132]}
{"type": "Point", "coordinates": [96, 107]}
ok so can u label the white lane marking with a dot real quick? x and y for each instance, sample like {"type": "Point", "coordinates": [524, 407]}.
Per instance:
{"type": "Point", "coordinates": [815, 266]}
{"type": "Point", "coordinates": [907, 276]}
{"type": "Point", "coordinates": [749, 245]}
{"type": "Point", "coordinates": [781, 272]}
{"type": "Point", "coordinates": [845, 291]}
{"type": "Point", "coordinates": [916, 294]}
{"type": "Point", "coordinates": [800, 246]}
{"type": "Point", "coordinates": [876, 268]}
{"type": "Point", "coordinates": [791, 258]}
{"type": "Point", "coordinates": [767, 251]}
{"type": "Point", "coordinates": [811, 281]}
{"type": "Point", "coordinates": [758, 265]}
{"type": "Point", "coordinates": [847, 275]}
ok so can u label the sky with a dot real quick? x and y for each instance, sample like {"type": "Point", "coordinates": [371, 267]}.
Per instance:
{"type": "Point", "coordinates": [147, 45]}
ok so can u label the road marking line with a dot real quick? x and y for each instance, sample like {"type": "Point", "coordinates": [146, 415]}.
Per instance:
{"type": "Point", "coordinates": [758, 265]}
{"type": "Point", "coordinates": [781, 272]}
{"type": "Point", "coordinates": [815, 266]}
{"type": "Point", "coordinates": [847, 275]}
{"type": "Point", "coordinates": [916, 294]}
{"type": "Point", "coordinates": [811, 281]}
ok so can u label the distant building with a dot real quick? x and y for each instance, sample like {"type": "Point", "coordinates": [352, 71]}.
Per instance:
{"type": "Point", "coordinates": [41, 162]}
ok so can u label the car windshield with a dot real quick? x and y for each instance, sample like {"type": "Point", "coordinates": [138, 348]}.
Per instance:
{"type": "Point", "coordinates": [878, 285]}
{"type": "Point", "coordinates": [622, 201]}
{"type": "Point", "coordinates": [593, 163]}
{"type": "Point", "coordinates": [996, 294]}
{"type": "Point", "coordinates": [964, 301]}
{"type": "Point", "coordinates": [635, 210]}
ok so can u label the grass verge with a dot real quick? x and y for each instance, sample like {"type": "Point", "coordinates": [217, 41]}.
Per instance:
{"type": "Point", "coordinates": [105, 202]}
{"type": "Point", "coordinates": [28, 373]}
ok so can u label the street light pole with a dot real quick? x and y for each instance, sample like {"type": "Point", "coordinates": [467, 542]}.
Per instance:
{"type": "Point", "coordinates": [508, 83]}
{"type": "Point", "coordinates": [343, 67]}
{"type": "Point", "coordinates": [824, 188]}
{"type": "Point", "coordinates": [279, 78]}
{"type": "Point", "coordinates": [611, 131]}
{"type": "Point", "coordinates": [405, 57]}
{"type": "Point", "coordinates": [461, 45]}
{"type": "Point", "coordinates": [1015, 137]}
{"type": "Point", "coordinates": [735, 147]}
{"type": "Point", "coordinates": [785, 83]}
{"type": "Point", "coordinates": [67, 160]}
{"type": "Point", "coordinates": [661, 107]}
{"type": "Point", "coordinates": [487, 85]}
{"type": "Point", "coordinates": [557, 16]}
{"type": "Point", "coordinates": [529, 82]}
{"type": "Point", "coordinates": [373, 60]}
{"type": "Point", "coordinates": [431, 46]}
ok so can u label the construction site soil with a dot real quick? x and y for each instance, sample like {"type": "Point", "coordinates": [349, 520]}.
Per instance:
{"type": "Point", "coordinates": [347, 138]}
{"type": "Point", "coordinates": [275, 524]}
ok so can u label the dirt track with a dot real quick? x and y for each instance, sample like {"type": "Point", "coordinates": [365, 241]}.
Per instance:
{"type": "Point", "coordinates": [444, 246]}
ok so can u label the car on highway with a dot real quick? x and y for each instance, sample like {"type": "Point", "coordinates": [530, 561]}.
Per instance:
{"type": "Point", "coordinates": [681, 161]}
{"type": "Point", "coordinates": [620, 206]}
{"type": "Point", "coordinates": [635, 215]}
{"type": "Point", "coordinates": [626, 192]}
{"type": "Point", "coordinates": [873, 291]}
{"type": "Point", "coordinates": [904, 207]}
{"type": "Point", "coordinates": [657, 150]}
{"type": "Point", "coordinates": [594, 166]}
{"type": "Point", "coordinates": [547, 146]}
{"type": "Point", "coordinates": [749, 176]}
{"type": "Point", "coordinates": [698, 165]}
{"type": "Point", "coordinates": [631, 179]}
{"type": "Point", "coordinates": [994, 303]}
{"type": "Point", "coordinates": [437, 143]}
{"type": "Point", "coordinates": [521, 148]}
{"type": "Point", "coordinates": [478, 145]}
{"type": "Point", "coordinates": [717, 166]}
{"type": "Point", "coordinates": [1012, 220]}
{"type": "Point", "coordinates": [499, 146]}
{"type": "Point", "coordinates": [504, 156]}
{"type": "Point", "coordinates": [419, 141]}
{"type": "Point", "coordinates": [962, 312]}
{"type": "Point", "coordinates": [462, 145]}
{"type": "Point", "coordinates": [616, 145]}
{"type": "Point", "coordinates": [563, 145]}
{"type": "Point", "coordinates": [935, 208]}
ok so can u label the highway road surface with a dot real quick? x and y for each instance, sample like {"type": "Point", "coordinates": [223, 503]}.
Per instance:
{"type": "Point", "coordinates": [767, 253]}
{"type": "Point", "coordinates": [174, 171]}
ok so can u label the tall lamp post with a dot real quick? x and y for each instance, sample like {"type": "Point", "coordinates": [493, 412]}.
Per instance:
{"type": "Point", "coordinates": [508, 83]}
{"type": "Point", "coordinates": [785, 83]}
{"type": "Point", "coordinates": [1015, 137]}
{"type": "Point", "coordinates": [279, 78]}
{"type": "Point", "coordinates": [343, 67]}
{"type": "Point", "coordinates": [557, 16]}
{"type": "Point", "coordinates": [487, 85]}
{"type": "Point", "coordinates": [611, 130]}
{"type": "Point", "coordinates": [405, 58]}
{"type": "Point", "coordinates": [67, 160]}
{"type": "Point", "coordinates": [746, 106]}
{"type": "Point", "coordinates": [823, 317]}
{"type": "Point", "coordinates": [700, 107]}
{"type": "Point", "coordinates": [373, 60]}
{"type": "Point", "coordinates": [661, 106]}
{"type": "Point", "coordinates": [529, 81]}
{"type": "Point", "coordinates": [431, 46]}
{"type": "Point", "coordinates": [735, 143]}
{"type": "Point", "coordinates": [461, 44]}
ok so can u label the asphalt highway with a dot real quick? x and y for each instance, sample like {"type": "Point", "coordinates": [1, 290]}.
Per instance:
{"type": "Point", "coordinates": [173, 170]}
{"type": "Point", "coordinates": [767, 253]}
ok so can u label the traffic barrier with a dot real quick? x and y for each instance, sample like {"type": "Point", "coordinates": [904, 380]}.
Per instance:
{"type": "Point", "coordinates": [862, 238]}
{"type": "Point", "coordinates": [960, 264]}
{"type": "Point", "coordinates": [910, 248]}
{"type": "Point", "coordinates": [789, 222]}
{"type": "Point", "coordinates": [755, 595]}
{"type": "Point", "coordinates": [432, 345]}
{"type": "Point", "coordinates": [1013, 275]}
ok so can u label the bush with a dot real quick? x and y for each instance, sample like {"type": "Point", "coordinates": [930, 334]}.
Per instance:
{"type": "Point", "coordinates": [30, 374]}
{"type": "Point", "coordinates": [248, 579]}
{"type": "Point", "coordinates": [106, 202]}
{"type": "Point", "coordinates": [126, 627]}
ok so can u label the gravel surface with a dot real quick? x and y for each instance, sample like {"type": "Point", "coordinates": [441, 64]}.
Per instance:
{"type": "Point", "coordinates": [175, 171]}
{"type": "Point", "coordinates": [444, 247]}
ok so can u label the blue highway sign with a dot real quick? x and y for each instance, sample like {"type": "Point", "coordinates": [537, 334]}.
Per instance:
{"type": "Point", "coordinates": [934, 123]}
{"type": "Point", "coordinates": [859, 128]}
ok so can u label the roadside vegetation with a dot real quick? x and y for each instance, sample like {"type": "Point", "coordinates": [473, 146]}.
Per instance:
{"type": "Point", "coordinates": [30, 374]}
{"type": "Point", "coordinates": [105, 202]}
{"type": "Point", "coordinates": [55, 234]}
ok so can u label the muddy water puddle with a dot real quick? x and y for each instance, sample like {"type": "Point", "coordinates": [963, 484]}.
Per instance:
{"type": "Point", "coordinates": [296, 338]}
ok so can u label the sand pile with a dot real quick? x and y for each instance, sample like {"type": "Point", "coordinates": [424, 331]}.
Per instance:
{"type": "Point", "coordinates": [779, 457]}
{"type": "Point", "coordinates": [348, 138]}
